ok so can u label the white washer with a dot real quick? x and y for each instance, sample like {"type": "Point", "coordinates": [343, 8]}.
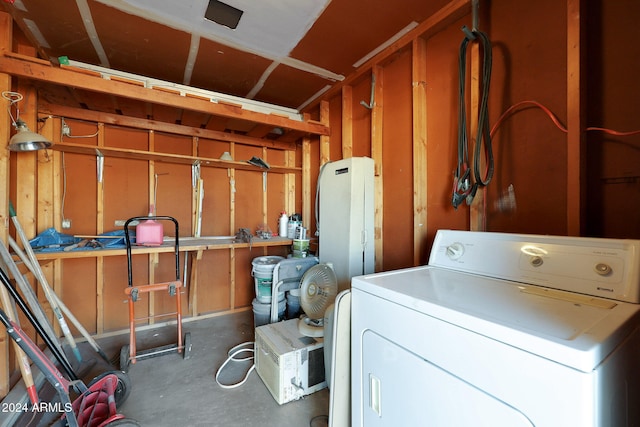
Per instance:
{"type": "Point", "coordinates": [501, 330]}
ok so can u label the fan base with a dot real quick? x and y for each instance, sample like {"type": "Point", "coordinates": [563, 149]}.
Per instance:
{"type": "Point", "coordinates": [311, 328]}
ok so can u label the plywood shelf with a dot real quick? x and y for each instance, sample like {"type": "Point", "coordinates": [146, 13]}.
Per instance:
{"type": "Point", "coordinates": [188, 244]}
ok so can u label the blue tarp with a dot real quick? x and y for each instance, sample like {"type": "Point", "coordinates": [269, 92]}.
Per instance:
{"type": "Point", "coordinates": [50, 240]}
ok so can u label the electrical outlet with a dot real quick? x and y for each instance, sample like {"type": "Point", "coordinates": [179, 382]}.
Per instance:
{"type": "Point", "coordinates": [66, 223]}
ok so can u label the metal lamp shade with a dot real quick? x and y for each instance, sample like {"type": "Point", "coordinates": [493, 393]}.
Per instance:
{"type": "Point", "coordinates": [25, 140]}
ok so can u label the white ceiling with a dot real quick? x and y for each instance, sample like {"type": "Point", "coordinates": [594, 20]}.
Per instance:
{"type": "Point", "coordinates": [270, 28]}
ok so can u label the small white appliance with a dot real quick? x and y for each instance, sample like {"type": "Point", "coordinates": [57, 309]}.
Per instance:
{"type": "Point", "coordinates": [501, 330]}
{"type": "Point", "coordinates": [345, 211]}
{"type": "Point", "coordinates": [290, 364]}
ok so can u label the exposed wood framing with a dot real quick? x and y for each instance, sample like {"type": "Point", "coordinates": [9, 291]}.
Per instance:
{"type": "Point", "coordinates": [265, 184]}
{"type": "Point", "coordinates": [377, 114]}
{"type": "Point", "coordinates": [27, 166]}
{"type": "Point", "coordinates": [153, 259]}
{"type": "Point", "coordinates": [576, 118]}
{"type": "Point", "coordinates": [347, 121]}
{"type": "Point", "coordinates": [36, 69]}
{"type": "Point", "coordinates": [307, 202]}
{"type": "Point", "coordinates": [5, 84]}
{"type": "Point", "coordinates": [158, 126]}
{"type": "Point", "coordinates": [419, 99]}
{"type": "Point", "coordinates": [325, 147]}
{"type": "Point", "coordinates": [290, 183]}
{"type": "Point", "coordinates": [477, 213]}
{"type": "Point", "coordinates": [449, 13]}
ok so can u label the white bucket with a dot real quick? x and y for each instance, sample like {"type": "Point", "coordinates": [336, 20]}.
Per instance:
{"type": "Point", "coordinates": [262, 272]}
{"type": "Point", "coordinates": [262, 312]}
{"type": "Point", "coordinates": [293, 304]}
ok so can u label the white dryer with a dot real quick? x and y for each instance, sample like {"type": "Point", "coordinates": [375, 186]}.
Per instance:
{"type": "Point", "coordinates": [501, 330]}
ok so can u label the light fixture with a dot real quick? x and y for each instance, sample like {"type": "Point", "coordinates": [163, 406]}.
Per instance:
{"type": "Point", "coordinates": [24, 139]}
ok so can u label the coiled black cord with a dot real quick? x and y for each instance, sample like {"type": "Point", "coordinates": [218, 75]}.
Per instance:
{"type": "Point", "coordinates": [464, 189]}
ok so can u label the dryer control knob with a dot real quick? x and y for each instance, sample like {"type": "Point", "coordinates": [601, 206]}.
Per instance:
{"type": "Point", "coordinates": [602, 268]}
{"type": "Point", "coordinates": [455, 250]}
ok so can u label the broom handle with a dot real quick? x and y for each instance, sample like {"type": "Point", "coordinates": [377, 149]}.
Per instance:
{"type": "Point", "coordinates": [27, 291]}
{"type": "Point", "coordinates": [23, 360]}
{"type": "Point", "coordinates": [65, 309]}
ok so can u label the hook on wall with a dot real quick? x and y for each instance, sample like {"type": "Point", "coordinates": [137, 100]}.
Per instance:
{"type": "Point", "coordinates": [372, 99]}
{"type": "Point", "coordinates": [475, 6]}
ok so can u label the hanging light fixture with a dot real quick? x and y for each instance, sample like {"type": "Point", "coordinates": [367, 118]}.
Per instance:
{"type": "Point", "coordinates": [24, 139]}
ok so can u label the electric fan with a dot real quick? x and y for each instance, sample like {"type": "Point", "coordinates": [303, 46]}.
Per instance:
{"type": "Point", "coordinates": [318, 288]}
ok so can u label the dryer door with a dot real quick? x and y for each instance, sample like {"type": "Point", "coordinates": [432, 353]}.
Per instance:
{"type": "Point", "coordinates": [400, 388]}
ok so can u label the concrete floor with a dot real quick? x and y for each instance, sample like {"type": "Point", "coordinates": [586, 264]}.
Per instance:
{"type": "Point", "coordinates": [171, 391]}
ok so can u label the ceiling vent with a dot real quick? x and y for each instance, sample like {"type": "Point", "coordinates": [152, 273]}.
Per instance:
{"type": "Point", "coordinates": [223, 14]}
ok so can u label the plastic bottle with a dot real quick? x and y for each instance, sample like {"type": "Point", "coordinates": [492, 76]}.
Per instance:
{"type": "Point", "coordinates": [282, 224]}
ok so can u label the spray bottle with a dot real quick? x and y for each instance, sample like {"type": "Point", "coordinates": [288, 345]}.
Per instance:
{"type": "Point", "coordinates": [282, 224]}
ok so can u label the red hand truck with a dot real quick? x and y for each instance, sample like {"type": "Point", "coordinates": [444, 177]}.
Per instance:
{"type": "Point", "coordinates": [128, 353]}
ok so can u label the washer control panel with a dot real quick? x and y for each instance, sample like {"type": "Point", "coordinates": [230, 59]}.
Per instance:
{"type": "Point", "coordinates": [607, 268]}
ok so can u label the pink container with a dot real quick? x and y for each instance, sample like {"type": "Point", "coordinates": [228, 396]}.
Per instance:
{"type": "Point", "coordinates": [149, 233]}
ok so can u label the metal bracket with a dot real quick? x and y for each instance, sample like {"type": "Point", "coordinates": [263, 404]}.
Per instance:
{"type": "Point", "coordinates": [100, 165]}
{"type": "Point", "coordinates": [372, 98]}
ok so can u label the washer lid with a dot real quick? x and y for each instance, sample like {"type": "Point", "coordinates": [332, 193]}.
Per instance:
{"type": "Point", "coordinates": [573, 329]}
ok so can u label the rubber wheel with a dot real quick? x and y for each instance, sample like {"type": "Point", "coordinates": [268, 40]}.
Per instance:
{"type": "Point", "coordinates": [123, 388]}
{"type": "Point", "coordinates": [124, 358]}
{"type": "Point", "coordinates": [186, 351]}
{"type": "Point", "coordinates": [124, 422]}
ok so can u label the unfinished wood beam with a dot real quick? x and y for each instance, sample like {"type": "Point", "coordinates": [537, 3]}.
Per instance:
{"type": "Point", "coordinates": [28, 68]}
{"type": "Point", "coordinates": [419, 101]}
{"type": "Point", "coordinates": [307, 201]}
{"type": "Point", "coordinates": [347, 122]}
{"type": "Point", "coordinates": [6, 25]}
{"type": "Point", "coordinates": [290, 182]}
{"type": "Point", "coordinates": [576, 118]}
{"type": "Point", "coordinates": [325, 143]}
{"type": "Point", "coordinates": [147, 124]}
{"type": "Point", "coordinates": [477, 213]}
{"type": "Point", "coordinates": [377, 113]}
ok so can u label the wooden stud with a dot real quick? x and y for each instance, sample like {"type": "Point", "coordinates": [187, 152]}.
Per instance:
{"type": "Point", "coordinates": [347, 122]}
{"type": "Point", "coordinates": [153, 259]}
{"type": "Point", "coordinates": [377, 114]}
{"type": "Point", "coordinates": [232, 278]}
{"type": "Point", "coordinates": [290, 184]}
{"type": "Point", "coordinates": [576, 118]}
{"type": "Point", "coordinates": [307, 201]}
{"type": "Point", "coordinates": [5, 84]}
{"type": "Point", "coordinates": [325, 146]}
{"type": "Point", "coordinates": [477, 214]}
{"type": "Point", "coordinates": [420, 189]}
{"type": "Point", "coordinates": [265, 218]}
{"type": "Point", "coordinates": [100, 309]}
{"type": "Point", "coordinates": [193, 282]}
